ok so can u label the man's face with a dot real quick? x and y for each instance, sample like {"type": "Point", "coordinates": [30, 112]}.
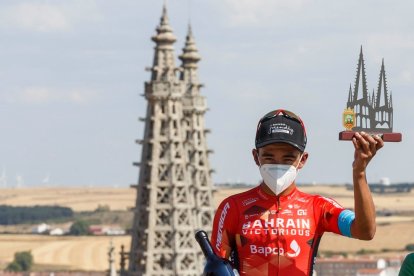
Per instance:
{"type": "Point", "coordinates": [279, 153]}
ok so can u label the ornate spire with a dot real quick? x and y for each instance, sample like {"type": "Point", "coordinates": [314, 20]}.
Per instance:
{"type": "Point", "coordinates": [361, 75]}
{"type": "Point", "coordinates": [350, 94]}
{"type": "Point", "coordinates": [164, 31]}
{"type": "Point", "coordinates": [382, 86]}
{"type": "Point", "coordinates": [164, 59]}
{"type": "Point", "coordinates": [372, 100]}
{"type": "Point", "coordinates": [189, 58]}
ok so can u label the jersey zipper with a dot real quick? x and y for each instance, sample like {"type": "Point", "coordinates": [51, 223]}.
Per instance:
{"type": "Point", "coordinates": [278, 208]}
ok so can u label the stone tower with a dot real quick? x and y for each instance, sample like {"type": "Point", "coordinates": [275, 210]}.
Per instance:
{"type": "Point", "coordinates": [195, 107]}
{"type": "Point", "coordinates": [174, 191]}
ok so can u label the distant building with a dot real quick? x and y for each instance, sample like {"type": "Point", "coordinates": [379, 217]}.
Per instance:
{"type": "Point", "coordinates": [363, 266]}
{"type": "Point", "coordinates": [389, 271]}
{"type": "Point", "coordinates": [346, 267]}
{"type": "Point", "coordinates": [385, 187]}
{"type": "Point", "coordinates": [371, 272]}
{"type": "Point", "coordinates": [41, 228]}
{"type": "Point", "coordinates": [110, 230]}
{"type": "Point", "coordinates": [96, 230]}
{"type": "Point", "coordinates": [391, 188]}
{"type": "Point", "coordinates": [56, 232]}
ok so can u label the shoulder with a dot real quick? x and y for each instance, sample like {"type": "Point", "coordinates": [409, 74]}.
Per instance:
{"type": "Point", "coordinates": [319, 201]}
{"type": "Point", "coordinates": [242, 199]}
{"type": "Point", "coordinates": [302, 196]}
{"type": "Point", "coordinates": [243, 195]}
{"type": "Point", "coordinates": [328, 200]}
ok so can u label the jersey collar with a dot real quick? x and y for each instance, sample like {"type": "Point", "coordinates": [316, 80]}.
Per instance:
{"type": "Point", "coordinates": [266, 196]}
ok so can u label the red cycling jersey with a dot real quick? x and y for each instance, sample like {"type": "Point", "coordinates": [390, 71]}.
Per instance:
{"type": "Point", "coordinates": [273, 235]}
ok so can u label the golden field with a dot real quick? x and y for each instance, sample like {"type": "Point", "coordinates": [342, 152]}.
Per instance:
{"type": "Point", "coordinates": [88, 199]}
{"type": "Point", "coordinates": [90, 253]}
{"type": "Point", "coordinates": [79, 199]}
{"type": "Point", "coordinates": [66, 252]}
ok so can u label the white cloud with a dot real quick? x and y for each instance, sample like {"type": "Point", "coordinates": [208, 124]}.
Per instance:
{"type": "Point", "coordinates": [389, 41]}
{"type": "Point", "coordinates": [47, 95]}
{"type": "Point", "coordinates": [395, 48]}
{"type": "Point", "coordinates": [38, 17]}
{"type": "Point", "coordinates": [37, 95]}
{"type": "Point", "coordinates": [82, 96]}
{"type": "Point", "coordinates": [250, 13]}
{"type": "Point", "coordinates": [44, 16]}
{"type": "Point", "coordinates": [406, 77]}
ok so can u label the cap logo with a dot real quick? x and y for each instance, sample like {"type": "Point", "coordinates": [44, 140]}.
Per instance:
{"type": "Point", "coordinates": [280, 128]}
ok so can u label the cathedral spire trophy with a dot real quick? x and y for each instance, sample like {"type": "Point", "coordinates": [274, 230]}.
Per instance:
{"type": "Point", "coordinates": [372, 114]}
{"type": "Point", "coordinates": [174, 190]}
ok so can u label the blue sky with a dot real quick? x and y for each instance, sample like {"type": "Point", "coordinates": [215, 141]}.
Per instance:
{"type": "Point", "coordinates": [71, 75]}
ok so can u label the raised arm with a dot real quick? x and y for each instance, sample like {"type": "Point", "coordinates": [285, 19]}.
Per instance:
{"type": "Point", "coordinates": [366, 146]}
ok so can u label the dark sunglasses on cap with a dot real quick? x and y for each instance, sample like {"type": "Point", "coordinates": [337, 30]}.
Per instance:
{"type": "Point", "coordinates": [286, 113]}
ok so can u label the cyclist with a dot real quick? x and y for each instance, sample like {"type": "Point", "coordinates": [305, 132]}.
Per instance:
{"type": "Point", "coordinates": [275, 229]}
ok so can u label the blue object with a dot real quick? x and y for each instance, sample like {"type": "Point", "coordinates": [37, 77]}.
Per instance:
{"type": "Point", "coordinates": [345, 219]}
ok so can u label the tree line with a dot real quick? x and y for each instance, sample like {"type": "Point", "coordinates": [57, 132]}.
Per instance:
{"type": "Point", "coordinates": [20, 214]}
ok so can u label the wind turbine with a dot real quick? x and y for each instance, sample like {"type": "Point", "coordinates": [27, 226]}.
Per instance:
{"type": "Point", "coordinates": [46, 180]}
{"type": "Point", "coordinates": [3, 179]}
{"type": "Point", "coordinates": [19, 181]}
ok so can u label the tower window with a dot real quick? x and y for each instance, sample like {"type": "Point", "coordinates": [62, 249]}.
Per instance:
{"type": "Point", "coordinates": [162, 107]}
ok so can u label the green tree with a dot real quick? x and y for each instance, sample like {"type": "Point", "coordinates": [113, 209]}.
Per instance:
{"type": "Point", "coordinates": [14, 267]}
{"type": "Point", "coordinates": [102, 208]}
{"type": "Point", "coordinates": [23, 261]}
{"type": "Point", "coordinates": [23, 214]}
{"type": "Point", "coordinates": [79, 228]}
{"type": "Point", "coordinates": [409, 247]}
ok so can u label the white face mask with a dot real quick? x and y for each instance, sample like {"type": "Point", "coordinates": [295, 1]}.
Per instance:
{"type": "Point", "coordinates": [278, 177]}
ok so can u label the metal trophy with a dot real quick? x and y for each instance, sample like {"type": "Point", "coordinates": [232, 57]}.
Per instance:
{"type": "Point", "coordinates": [371, 114]}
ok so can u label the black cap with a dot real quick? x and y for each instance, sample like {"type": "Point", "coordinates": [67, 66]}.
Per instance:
{"type": "Point", "coordinates": [281, 126]}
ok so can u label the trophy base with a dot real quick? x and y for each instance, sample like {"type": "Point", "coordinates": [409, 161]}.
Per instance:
{"type": "Point", "coordinates": [386, 137]}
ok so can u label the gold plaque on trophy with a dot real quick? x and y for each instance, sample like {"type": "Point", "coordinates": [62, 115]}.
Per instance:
{"type": "Point", "coordinates": [348, 119]}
